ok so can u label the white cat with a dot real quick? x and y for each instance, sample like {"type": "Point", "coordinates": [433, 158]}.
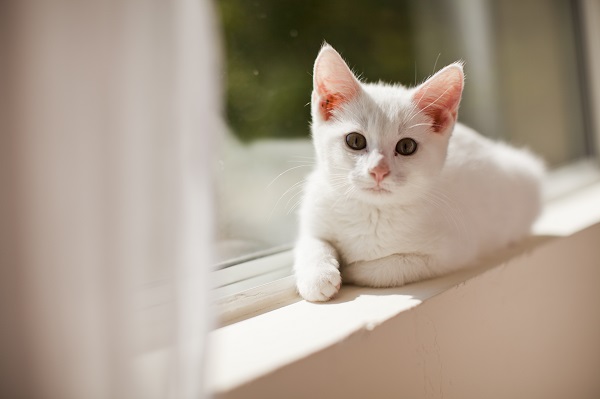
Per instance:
{"type": "Point", "coordinates": [401, 192]}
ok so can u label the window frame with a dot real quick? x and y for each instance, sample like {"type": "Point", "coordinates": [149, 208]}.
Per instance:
{"type": "Point", "coordinates": [269, 281]}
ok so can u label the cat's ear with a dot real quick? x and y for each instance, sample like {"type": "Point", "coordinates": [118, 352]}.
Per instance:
{"type": "Point", "coordinates": [333, 82]}
{"type": "Point", "coordinates": [440, 96]}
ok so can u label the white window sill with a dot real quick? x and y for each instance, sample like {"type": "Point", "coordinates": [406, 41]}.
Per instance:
{"type": "Point", "coordinates": [246, 353]}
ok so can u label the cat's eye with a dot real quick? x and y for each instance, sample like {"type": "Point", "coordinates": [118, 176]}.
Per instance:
{"type": "Point", "coordinates": [406, 146]}
{"type": "Point", "coordinates": [356, 141]}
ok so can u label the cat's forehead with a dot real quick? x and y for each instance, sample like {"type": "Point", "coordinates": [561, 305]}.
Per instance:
{"type": "Point", "coordinates": [394, 101]}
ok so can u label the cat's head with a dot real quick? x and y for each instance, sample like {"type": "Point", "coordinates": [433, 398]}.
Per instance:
{"type": "Point", "coordinates": [378, 142]}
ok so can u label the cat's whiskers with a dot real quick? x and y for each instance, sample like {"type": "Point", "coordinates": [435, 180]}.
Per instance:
{"type": "Point", "coordinates": [421, 124]}
{"type": "Point", "coordinates": [284, 172]}
{"type": "Point", "coordinates": [349, 192]}
{"type": "Point", "coordinates": [335, 178]}
{"type": "Point", "coordinates": [299, 184]}
{"type": "Point", "coordinates": [343, 175]}
{"type": "Point", "coordinates": [436, 100]}
{"type": "Point", "coordinates": [296, 204]}
{"type": "Point", "coordinates": [340, 168]}
{"type": "Point", "coordinates": [339, 185]}
{"type": "Point", "coordinates": [338, 181]}
{"type": "Point", "coordinates": [415, 72]}
{"type": "Point", "coordinates": [435, 63]}
{"type": "Point", "coordinates": [345, 195]}
{"type": "Point", "coordinates": [414, 107]}
{"type": "Point", "coordinates": [414, 110]}
{"type": "Point", "coordinates": [422, 110]}
{"type": "Point", "coordinates": [301, 191]}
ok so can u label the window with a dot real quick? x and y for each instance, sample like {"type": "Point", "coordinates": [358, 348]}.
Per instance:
{"type": "Point", "coordinates": [526, 83]}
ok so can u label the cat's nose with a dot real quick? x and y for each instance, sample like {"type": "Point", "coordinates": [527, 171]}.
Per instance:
{"type": "Point", "coordinates": [379, 172]}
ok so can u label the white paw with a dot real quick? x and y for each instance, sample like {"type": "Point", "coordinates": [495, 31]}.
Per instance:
{"type": "Point", "coordinates": [319, 284]}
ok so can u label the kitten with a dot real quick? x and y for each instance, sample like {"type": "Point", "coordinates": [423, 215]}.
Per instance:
{"type": "Point", "coordinates": [402, 192]}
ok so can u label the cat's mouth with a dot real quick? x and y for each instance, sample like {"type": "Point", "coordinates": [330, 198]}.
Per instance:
{"type": "Point", "coordinates": [377, 189]}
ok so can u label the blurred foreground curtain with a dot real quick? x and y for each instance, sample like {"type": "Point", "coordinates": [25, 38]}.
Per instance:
{"type": "Point", "coordinates": [105, 222]}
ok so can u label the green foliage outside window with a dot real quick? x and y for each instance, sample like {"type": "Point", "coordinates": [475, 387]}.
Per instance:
{"type": "Point", "coordinates": [271, 46]}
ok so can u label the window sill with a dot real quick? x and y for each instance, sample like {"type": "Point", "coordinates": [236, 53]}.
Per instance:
{"type": "Point", "coordinates": [250, 351]}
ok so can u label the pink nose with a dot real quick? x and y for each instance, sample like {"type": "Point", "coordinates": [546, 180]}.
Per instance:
{"type": "Point", "coordinates": [379, 172]}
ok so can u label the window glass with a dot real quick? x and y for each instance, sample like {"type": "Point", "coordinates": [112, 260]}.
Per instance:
{"type": "Point", "coordinates": [521, 64]}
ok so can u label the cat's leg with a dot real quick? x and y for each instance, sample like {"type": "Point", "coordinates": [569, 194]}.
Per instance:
{"type": "Point", "coordinates": [316, 268]}
{"type": "Point", "coordinates": [392, 271]}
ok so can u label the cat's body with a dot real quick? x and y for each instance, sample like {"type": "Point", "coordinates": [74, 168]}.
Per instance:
{"type": "Point", "coordinates": [387, 216]}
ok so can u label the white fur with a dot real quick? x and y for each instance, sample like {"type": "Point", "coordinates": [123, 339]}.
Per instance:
{"type": "Point", "coordinates": [459, 196]}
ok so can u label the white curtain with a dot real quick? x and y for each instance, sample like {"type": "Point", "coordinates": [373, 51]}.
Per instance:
{"type": "Point", "coordinates": [107, 111]}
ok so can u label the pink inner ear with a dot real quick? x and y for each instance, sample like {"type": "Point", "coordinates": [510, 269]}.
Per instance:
{"type": "Point", "coordinates": [334, 83]}
{"type": "Point", "coordinates": [440, 96]}
{"type": "Point", "coordinates": [329, 102]}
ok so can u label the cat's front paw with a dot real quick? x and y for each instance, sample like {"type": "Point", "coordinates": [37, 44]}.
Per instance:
{"type": "Point", "coordinates": [319, 284]}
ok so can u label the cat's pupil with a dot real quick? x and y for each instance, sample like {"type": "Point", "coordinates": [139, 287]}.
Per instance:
{"type": "Point", "coordinates": [406, 146]}
{"type": "Point", "coordinates": [356, 141]}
